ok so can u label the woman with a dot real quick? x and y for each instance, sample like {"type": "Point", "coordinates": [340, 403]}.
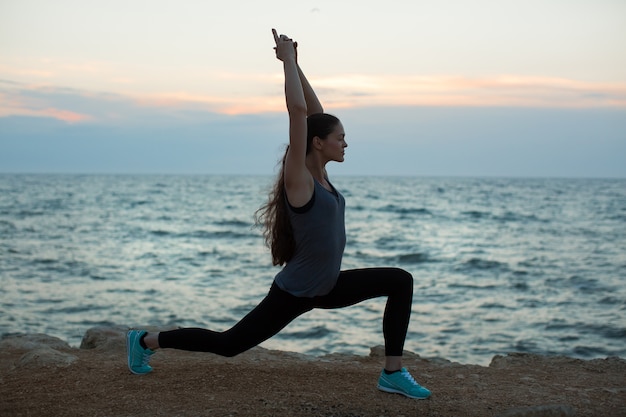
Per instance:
{"type": "Point", "coordinates": [304, 227]}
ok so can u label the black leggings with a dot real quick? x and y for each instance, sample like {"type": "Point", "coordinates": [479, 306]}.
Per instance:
{"type": "Point", "coordinates": [279, 308]}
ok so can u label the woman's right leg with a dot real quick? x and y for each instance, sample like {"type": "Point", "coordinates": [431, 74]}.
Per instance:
{"type": "Point", "coordinates": [356, 285]}
{"type": "Point", "coordinates": [275, 312]}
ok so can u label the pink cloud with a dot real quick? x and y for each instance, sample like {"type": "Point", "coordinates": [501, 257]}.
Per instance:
{"type": "Point", "coordinates": [64, 115]}
{"type": "Point", "coordinates": [516, 91]}
{"type": "Point", "coordinates": [50, 112]}
{"type": "Point", "coordinates": [357, 90]}
{"type": "Point", "coordinates": [251, 104]}
{"type": "Point", "coordinates": [343, 91]}
{"type": "Point", "coordinates": [12, 104]}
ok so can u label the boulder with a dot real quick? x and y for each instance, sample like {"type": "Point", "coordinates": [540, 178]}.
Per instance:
{"type": "Point", "coordinates": [45, 357]}
{"type": "Point", "coordinates": [32, 341]}
{"type": "Point", "coordinates": [112, 338]}
{"type": "Point", "coordinates": [105, 338]}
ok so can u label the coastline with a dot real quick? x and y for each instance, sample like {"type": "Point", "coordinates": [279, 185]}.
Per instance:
{"type": "Point", "coordinates": [42, 375]}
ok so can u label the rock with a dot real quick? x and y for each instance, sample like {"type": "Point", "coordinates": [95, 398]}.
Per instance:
{"type": "Point", "coordinates": [531, 359]}
{"type": "Point", "coordinates": [558, 410]}
{"type": "Point", "coordinates": [500, 362]}
{"type": "Point", "coordinates": [442, 362]}
{"type": "Point", "coordinates": [377, 351]}
{"type": "Point", "coordinates": [32, 341]}
{"type": "Point", "coordinates": [512, 359]}
{"type": "Point", "coordinates": [105, 338]}
{"type": "Point", "coordinates": [259, 354]}
{"type": "Point", "coordinates": [112, 338]}
{"type": "Point", "coordinates": [45, 357]}
{"type": "Point", "coordinates": [338, 357]}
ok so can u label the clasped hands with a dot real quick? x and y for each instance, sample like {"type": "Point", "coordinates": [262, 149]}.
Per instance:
{"type": "Point", "coordinates": [285, 47]}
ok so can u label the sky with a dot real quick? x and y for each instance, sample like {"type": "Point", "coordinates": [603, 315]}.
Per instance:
{"type": "Point", "coordinates": [515, 88]}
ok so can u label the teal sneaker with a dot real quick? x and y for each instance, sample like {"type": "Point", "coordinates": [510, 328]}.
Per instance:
{"type": "Point", "coordinates": [402, 383]}
{"type": "Point", "coordinates": [138, 357]}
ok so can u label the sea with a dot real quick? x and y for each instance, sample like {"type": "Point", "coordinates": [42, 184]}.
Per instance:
{"type": "Point", "coordinates": [501, 265]}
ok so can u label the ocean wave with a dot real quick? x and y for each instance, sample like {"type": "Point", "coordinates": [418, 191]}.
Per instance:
{"type": "Point", "coordinates": [75, 309]}
{"type": "Point", "coordinates": [7, 227]}
{"type": "Point", "coordinates": [316, 332]}
{"type": "Point", "coordinates": [474, 214]}
{"type": "Point", "coordinates": [610, 300]}
{"type": "Point", "coordinates": [604, 330]}
{"type": "Point", "coordinates": [469, 286]}
{"type": "Point", "coordinates": [139, 203]}
{"type": "Point", "coordinates": [95, 277]}
{"type": "Point", "coordinates": [203, 234]}
{"type": "Point", "coordinates": [587, 285]}
{"type": "Point", "coordinates": [413, 258]}
{"type": "Point", "coordinates": [233, 222]}
{"type": "Point", "coordinates": [392, 208]}
{"type": "Point", "coordinates": [386, 258]}
{"type": "Point", "coordinates": [506, 217]}
{"type": "Point", "coordinates": [493, 306]}
{"type": "Point", "coordinates": [483, 265]}
{"type": "Point", "coordinates": [23, 214]}
{"type": "Point", "coordinates": [161, 233]}
{"type": "Point", "coordinates": [64, 268]}
{"type": "Point", "coordinates": [590, 351]}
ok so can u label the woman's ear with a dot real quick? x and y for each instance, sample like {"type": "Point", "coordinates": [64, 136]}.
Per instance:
{"type": "Point", "coordinates": [317, 142]}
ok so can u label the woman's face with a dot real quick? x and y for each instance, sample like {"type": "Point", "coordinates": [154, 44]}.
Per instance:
{"type": "Point", "coordinates": [333, 147]}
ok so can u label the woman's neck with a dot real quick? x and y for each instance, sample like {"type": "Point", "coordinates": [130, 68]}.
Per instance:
{"type": "Point", "coordinates": [316, 168]}
{"type": "Point", "coordinates": [318, 171]}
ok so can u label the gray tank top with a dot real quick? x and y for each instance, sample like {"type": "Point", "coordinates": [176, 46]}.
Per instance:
{"type": "Point", "coordinates": [320, 235]}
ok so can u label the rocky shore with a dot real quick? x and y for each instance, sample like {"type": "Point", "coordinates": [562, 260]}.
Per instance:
{"type": "Point", "coordinates": [43, 376]}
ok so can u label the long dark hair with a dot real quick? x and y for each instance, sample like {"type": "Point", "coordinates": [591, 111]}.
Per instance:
{"type": "Point", "coordinates": [274, 215]}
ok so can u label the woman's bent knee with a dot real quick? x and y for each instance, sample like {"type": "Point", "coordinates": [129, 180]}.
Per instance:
{"type": "Point", "coordinates": [403, 277]}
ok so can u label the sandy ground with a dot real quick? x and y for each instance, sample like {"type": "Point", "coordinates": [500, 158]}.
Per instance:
{"type": "Point", "coordinates": [48, 378]}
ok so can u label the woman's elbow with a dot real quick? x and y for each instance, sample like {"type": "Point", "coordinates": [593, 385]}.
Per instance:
{"type": "Point", "coordinates": [297, 109]}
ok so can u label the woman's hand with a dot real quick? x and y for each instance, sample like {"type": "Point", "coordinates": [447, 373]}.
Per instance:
{"type": "Point", "coordinates": [285, 47]}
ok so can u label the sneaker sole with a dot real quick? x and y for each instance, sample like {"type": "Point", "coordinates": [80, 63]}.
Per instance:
{"type": "Point", "coordinates": [395, 391]}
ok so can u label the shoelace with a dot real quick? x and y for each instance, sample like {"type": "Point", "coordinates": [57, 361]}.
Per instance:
{"type": "Point", "coordinates": [145, 358]}
{"type": "Point", "coordinates": [408, 376]}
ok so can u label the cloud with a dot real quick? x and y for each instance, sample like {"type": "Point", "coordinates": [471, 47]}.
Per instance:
{"type": "Point", "coordinates": [441, 90]}
{"type": "Point", "coordinates": [211, 103]}
{"type": "Point", "coordinates": [54, 129]}
{"type": "Point", "coordinates": [50, 112]}
{"type": "Point", "coordinates": [16, 102]}
{"type": "Point", "coordinates": [73, 105]}
{"type": "Point", "coordinates": [359, 90]}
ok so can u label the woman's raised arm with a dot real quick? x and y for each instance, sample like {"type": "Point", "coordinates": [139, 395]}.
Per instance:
{"type": "Point", "coordinates": [313, 104]}
{"type": "Point", "coordinates": [298, 180]}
